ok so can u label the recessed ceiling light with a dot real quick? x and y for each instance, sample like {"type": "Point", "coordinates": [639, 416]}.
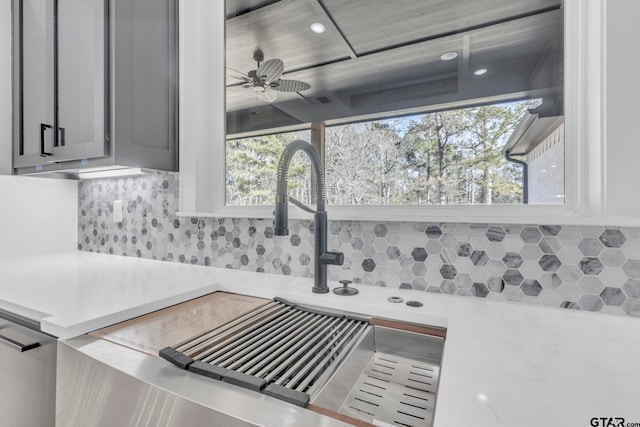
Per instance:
{"type": "Point", "coordinates": [480, 71]}
{"type": "Point", "coordinates": [318, 28]}
{"type": "Point", "coordinates": [448, 56]}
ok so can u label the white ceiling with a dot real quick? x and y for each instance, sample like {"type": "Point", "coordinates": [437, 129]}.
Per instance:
{"type": "Point", "coordinates": [381, 55]}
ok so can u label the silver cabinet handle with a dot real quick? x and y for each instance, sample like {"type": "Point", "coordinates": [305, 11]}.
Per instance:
{"type": "Point", "coordinates": [18, 345]}
{"type": "Point", "coordinates": [43, 151]}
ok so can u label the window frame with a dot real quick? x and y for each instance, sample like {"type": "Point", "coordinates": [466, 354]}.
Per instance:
{"type": "Point", "coordinates": [202, 118]}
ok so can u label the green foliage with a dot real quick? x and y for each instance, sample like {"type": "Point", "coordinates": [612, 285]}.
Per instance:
{"type": "Point", "coordinates": [252, 165]}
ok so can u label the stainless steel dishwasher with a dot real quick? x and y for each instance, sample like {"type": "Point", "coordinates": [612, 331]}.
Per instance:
{"type": "Point", "coordinates": [27, 374]}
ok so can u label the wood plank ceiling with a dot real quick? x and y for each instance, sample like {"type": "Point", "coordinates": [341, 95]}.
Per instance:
{"type": "Point", "coordinates": [380, 56]}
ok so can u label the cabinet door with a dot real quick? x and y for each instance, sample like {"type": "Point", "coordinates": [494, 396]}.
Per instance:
{"type": "Point", "coordinates": [33, 99]}
{"type": "Point", "coordinates": [60, 81]}
{"type": "Point", "coordinates": [82, 79]}
{"type": "Point", "coordinates": [145, 82]}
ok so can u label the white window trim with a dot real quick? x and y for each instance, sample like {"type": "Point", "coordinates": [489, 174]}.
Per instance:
{"type": "Point", "coordinates": [202, 135]}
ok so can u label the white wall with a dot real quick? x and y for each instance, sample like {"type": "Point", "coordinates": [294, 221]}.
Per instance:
{"type": "Point", "coordinates": [622, 132]}
{"type": "Point", "coordinates": [5, 86]}
{"type": "Point", "coordinates": [37, 215]}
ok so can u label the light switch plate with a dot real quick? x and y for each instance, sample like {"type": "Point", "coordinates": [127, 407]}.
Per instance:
{"type": "Point", "coordinates": [117, 211]}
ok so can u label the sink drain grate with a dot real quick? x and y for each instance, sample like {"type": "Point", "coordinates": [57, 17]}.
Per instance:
{"type": "Point", "coordinates": [395, 390]}
{"type": "Point", "coordinates": [279, 348]}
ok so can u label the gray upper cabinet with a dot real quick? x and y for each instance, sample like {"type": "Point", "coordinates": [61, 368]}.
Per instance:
{"type": "Point", "coordinates": [82, 79]}
{"type": "Point", "coordinates": [95, 84]}
{"type": "Point", "coordinates": [145, 82]}
{"type": "Point", "coordinates": [61, 81]}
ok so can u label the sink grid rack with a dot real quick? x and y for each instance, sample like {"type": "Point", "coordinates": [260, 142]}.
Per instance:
{"type": "Point", "coordinates": [281, 349]}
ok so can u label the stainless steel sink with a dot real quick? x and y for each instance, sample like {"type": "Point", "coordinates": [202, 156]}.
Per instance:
{"type": "Point", "coordinates": [340, 364]}
{"type": "Point", "coordinates": [390, 376]}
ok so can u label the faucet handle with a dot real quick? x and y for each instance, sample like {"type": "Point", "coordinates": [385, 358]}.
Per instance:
{"type": "Point", "coordinates": [332, 258]}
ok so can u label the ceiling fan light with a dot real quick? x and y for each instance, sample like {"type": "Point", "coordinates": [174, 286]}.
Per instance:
{"type": "Point", "coordinates": [448, 56]}
{"type": "Point", "coordinates": [318, 28]}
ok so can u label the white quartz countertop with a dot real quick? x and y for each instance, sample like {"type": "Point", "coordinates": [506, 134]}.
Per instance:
{"type": "Point", "coordinates": [504, 364]}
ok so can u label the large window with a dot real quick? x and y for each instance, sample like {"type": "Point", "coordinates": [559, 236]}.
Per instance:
{"type": "Point", "coordinates": [416, 104]}
{"type": "Point", "coordinates": [452, 157]}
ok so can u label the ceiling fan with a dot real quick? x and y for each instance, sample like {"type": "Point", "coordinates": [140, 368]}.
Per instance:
{"type": "Point", "coordinates": [265, 79]}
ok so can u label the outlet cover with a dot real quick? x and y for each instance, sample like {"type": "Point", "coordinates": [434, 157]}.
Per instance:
{"type": "Point", "coordinates": [117, 211]}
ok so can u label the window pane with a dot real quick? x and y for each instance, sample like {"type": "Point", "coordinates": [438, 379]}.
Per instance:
{"type": "Point", "coordinates": [453, 157]}
{"type": "Point", "coordinates": [252, 165]}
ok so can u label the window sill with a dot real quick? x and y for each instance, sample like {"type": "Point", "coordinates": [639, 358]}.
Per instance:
{"type": "Point", "coordinates": [555, 215]}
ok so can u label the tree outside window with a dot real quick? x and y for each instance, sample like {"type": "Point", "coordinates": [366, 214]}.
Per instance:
{"type": "Point", "coordinates": [452, 157]}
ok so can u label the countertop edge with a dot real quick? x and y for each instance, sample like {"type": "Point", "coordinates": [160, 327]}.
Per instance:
{"type": "Point", "coordinates": [56, 326]}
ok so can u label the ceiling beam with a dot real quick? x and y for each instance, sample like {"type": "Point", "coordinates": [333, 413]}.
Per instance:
{"type": "Point", "coordinates": [322, 11]}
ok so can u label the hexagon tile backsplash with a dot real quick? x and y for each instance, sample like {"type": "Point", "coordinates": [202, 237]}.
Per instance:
{"type": "Point", "coordinates": [590, 268]}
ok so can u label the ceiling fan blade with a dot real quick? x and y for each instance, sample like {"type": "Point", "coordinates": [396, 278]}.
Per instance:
{"type": "Point", "coordinates": [268, 95]}
{"type": "Point", "coordinates": [285, 85]}
{"type": "Point", "coordinates": [236, 89]}
{"type": "Point", "coordinates": [270, 70]}
{"type": "Point", "coordinates": [236, 74]}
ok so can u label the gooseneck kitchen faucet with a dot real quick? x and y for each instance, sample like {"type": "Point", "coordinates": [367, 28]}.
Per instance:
{"type": "Point", "coordinates": [321, 257]}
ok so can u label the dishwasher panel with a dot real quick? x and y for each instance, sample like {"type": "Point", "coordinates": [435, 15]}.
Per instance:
{"type": "Point", "coordinates": [27, 376]}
